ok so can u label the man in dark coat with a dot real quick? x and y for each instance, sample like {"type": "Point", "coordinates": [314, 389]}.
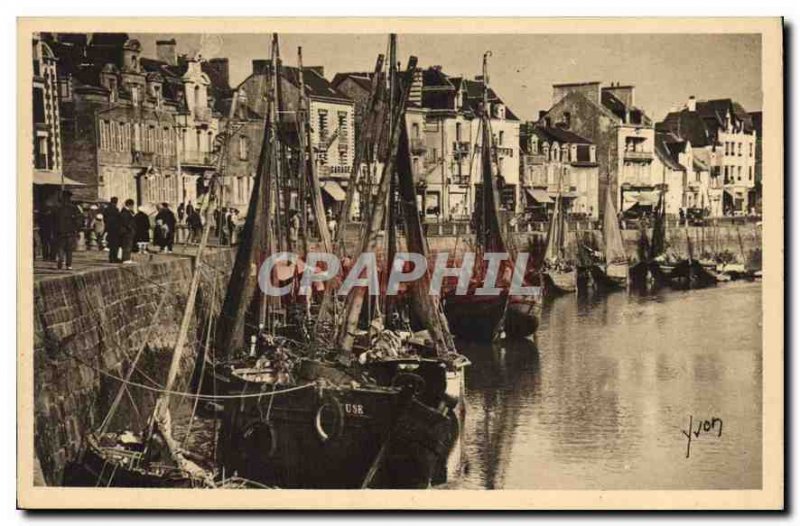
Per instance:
{"type": "Point", "coordinates": [68, 222]}
{"type": "Point", "coordinates": [167, 218]}
{"type": "Point", "coordinates": [142, 230]}
{"type": "Point", "coordinates": [195, 226]}
{"type": "Point", "coordinates": [127, 231]}
{"type": "Point", "coordinates": [111, 219]}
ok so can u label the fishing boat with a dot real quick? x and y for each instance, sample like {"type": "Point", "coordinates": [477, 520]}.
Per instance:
{"type": "Point", "coordinates": [611, 271]}
{"type": "Point", "coordinates": [661, 267]}
{"type": "Point", "coordinates": [356, 406]}
{"type": "Point", "coordinates": [484, 318]}
{"type": "Point", "coordinates": [558, 273]}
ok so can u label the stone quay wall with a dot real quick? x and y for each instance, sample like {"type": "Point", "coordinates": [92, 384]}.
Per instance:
{"type": "Point", "coordinates": [90, 325]}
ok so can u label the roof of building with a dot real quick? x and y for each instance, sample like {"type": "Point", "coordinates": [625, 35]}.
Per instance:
{"type": "Point", "coordinates": [560, 135]}
{"type": "Point", "coordinates": [667, 151]}
{"type": "Point", "coordinates": [701, 127]}
{"type": "Point", "coordinates": [363, 79]}
{"type": "Point", "coordinates": [316, 85]}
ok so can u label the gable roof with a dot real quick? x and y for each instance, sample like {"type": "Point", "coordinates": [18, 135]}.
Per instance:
{"type": "Point", "coordinates": [667, 151]}
{"type": "Point", "coordinates": [316, 85]}
{"type": "Point", "coordinates": [560, 135]}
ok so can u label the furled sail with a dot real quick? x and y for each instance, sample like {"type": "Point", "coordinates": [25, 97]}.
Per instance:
{"type": "Point", "coordinates": [612, 236]}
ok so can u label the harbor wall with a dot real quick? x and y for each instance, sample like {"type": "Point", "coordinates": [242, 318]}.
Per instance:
{"type": "Point", "coordinates": [740, 243]}
{"type": "Point", "coordinates": [93, 322]}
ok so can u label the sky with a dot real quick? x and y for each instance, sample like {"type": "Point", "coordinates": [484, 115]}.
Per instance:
{"type": "Point", "coordinates": [665, 68]}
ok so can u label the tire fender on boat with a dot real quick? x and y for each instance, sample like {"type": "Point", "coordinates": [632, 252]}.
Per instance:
{"type": "Point", "coordinates": [329, 431]}
{"type": "Point", "coordinates": [259, 432]}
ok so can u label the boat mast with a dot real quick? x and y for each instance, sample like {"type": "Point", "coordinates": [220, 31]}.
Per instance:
{"type": "Point", "coordinates": [255, 240]}
{"type": "Point", "coordinates": [300, 121]}
{"type": "Point", "coordinates": [355, 299]}
{"type": "Point", "coordinates": [391, 209]}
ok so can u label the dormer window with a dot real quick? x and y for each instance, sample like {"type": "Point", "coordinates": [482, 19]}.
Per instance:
{"type": "Point", "coordinates": [197, 97]}
{"type": "Point", "coordinates": [111, 84]}
{"type": "Point", "coordinates": [135, 95]}
{"type": "Point", "coordinates": [499, 111]}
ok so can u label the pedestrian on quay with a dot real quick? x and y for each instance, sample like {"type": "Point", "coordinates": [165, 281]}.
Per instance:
{"type": "Point", "coordinates": [169, 222]}
{"type": "Point", "coordinates": [68, 222]}
{"type": "Point", "coordinates": [195, 224]}
{"type": "Point", "coordinates": [111, 219]}
{"type": "Point", "coordinates": [142, 219]}
{"type": "Point", "coordinates": [88, 226]}
{"type": "Point", "coordinates": [181, 212]}
{"type": "Point", "coordinates": [99, 227]}
{"type": "Point", "coordinates": [127, 231]}
{"type": "Point", "coordinates": [294, 228]}
{"type": "Point", "coordinates": [222, 226]}
{"type": "Point", "coordinates": [46, 222]}
{"type": "Point", "coordinates": [230, 220]}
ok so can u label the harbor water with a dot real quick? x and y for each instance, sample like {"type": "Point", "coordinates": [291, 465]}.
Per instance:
{"type": "Point", "coordinates": [604, 400]}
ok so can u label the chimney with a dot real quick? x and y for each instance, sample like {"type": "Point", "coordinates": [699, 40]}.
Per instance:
{"type": "Point", "coordinates": [691, 105]}
{"type": "Point", "coordinates": [260, 66]}
{"type": "Point", "coordinates": [166, 51]}
{"type": "Point", "coordinates": [415, 92]}
{"type": "Point", "coordinates": [221, 68]}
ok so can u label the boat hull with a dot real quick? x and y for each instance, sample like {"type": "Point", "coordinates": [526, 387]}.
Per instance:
{"type": "Point", "coordinates": [333, 437]}
{"type": "Point", "coordinates": [602, 277]}
{"type": "Point", "coordinates": [557, 282]}
{"type": "Point", "coordinates": [474, 318]}
{"type": "Point", "coordinates": [98, 466]}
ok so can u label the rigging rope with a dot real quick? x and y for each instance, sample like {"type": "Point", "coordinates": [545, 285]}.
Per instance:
{"type": "Point", "coordinates": [185, 394]}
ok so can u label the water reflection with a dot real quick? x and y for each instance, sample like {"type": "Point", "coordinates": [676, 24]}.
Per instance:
{"type": "Point", "coordinates": [600, 402]}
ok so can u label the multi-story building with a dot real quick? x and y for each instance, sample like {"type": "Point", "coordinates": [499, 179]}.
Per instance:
{"type": "Point", "coordinates": [756, 119]}
{"type": "Point", "coordinates": [332, 125]}
{"type": "Point", "coordinates": [46, 121]}
{"type": "Point", "coordinates": [444, 135]}
{"type": "Point", "coordinates": [725, 128]}
{"type": "Point", "coordinates": [557, 161]}
{"type": "Point", "coordinates": [608, 117]}
{"type": "Point", "coordinates": [133, 127]}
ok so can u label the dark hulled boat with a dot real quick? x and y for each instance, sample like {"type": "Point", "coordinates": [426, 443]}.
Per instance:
{"type": "Point", "coordinates": [356, 407]}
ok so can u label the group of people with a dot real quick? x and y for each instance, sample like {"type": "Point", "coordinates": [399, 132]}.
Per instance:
{"type": "Point", "coordinates": [119, 231]}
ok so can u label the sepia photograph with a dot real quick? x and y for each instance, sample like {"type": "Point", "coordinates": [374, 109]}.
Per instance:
{"type": "Point", "coordinates": [436, 256]}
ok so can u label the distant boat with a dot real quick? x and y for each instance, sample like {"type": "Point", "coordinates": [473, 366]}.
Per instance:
{"type": "Point", "coordinates": [612, 271]}
{"type": "Point", "coordinates": [558, 273]}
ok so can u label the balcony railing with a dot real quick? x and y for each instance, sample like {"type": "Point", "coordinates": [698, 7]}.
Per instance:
{"type": "Point", "coordinates": [202, 114]}
{"type": "Point", "coordinates": [418, 146]}
{"type": "Point", "coordinates": [533, 160]}
{"type": "Point", "coordinates": [460, 149]}
{"type": "Point", "coordinates": [198, 158]}
{"type": "Point", "coordinates": [632, 155]}
{"type": "Point", "coordinates": [145, 159]}
{"type": "Point", "coordinates": [504, 152]}
{"type": "Point", "coordinates": [460, 179]}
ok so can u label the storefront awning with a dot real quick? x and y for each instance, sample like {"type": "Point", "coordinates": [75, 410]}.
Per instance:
{"type": "Point", "coordinates": [334, 190]}
{"type": "Point", "coordinates": [642, 198]}
{"type": "Point", "coordinates": [540, 196]}
{"type": "Point", "coordinates": [54, 179]}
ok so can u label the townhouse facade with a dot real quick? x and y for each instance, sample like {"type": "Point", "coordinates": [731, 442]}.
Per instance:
{"type": "Point", "coordinates": [132, 126]}
{"type": "Point", "coordinates": [608, 117]}
{"type": "Point", "coordinates": [444, 135]}
{"type": "Point", "coordinates": [332, 130]}
{"type": "Point", "coordinates": [554, 162]}
{"type": "Point", "coordinates": [725, 129]}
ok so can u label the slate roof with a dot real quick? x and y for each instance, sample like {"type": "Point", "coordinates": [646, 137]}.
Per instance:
{"type": "Point", "coordinates": [560, 135]}
{"type": "Point", "coordinates": [668, 150]}
{"type": "Point", "coordinates": [317, 86]}
{"type": "Point", "coordinates": [701, 127]}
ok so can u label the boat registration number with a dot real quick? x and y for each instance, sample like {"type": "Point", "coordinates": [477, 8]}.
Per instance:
{"type": "Point", "coordinates": [354, 409]}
